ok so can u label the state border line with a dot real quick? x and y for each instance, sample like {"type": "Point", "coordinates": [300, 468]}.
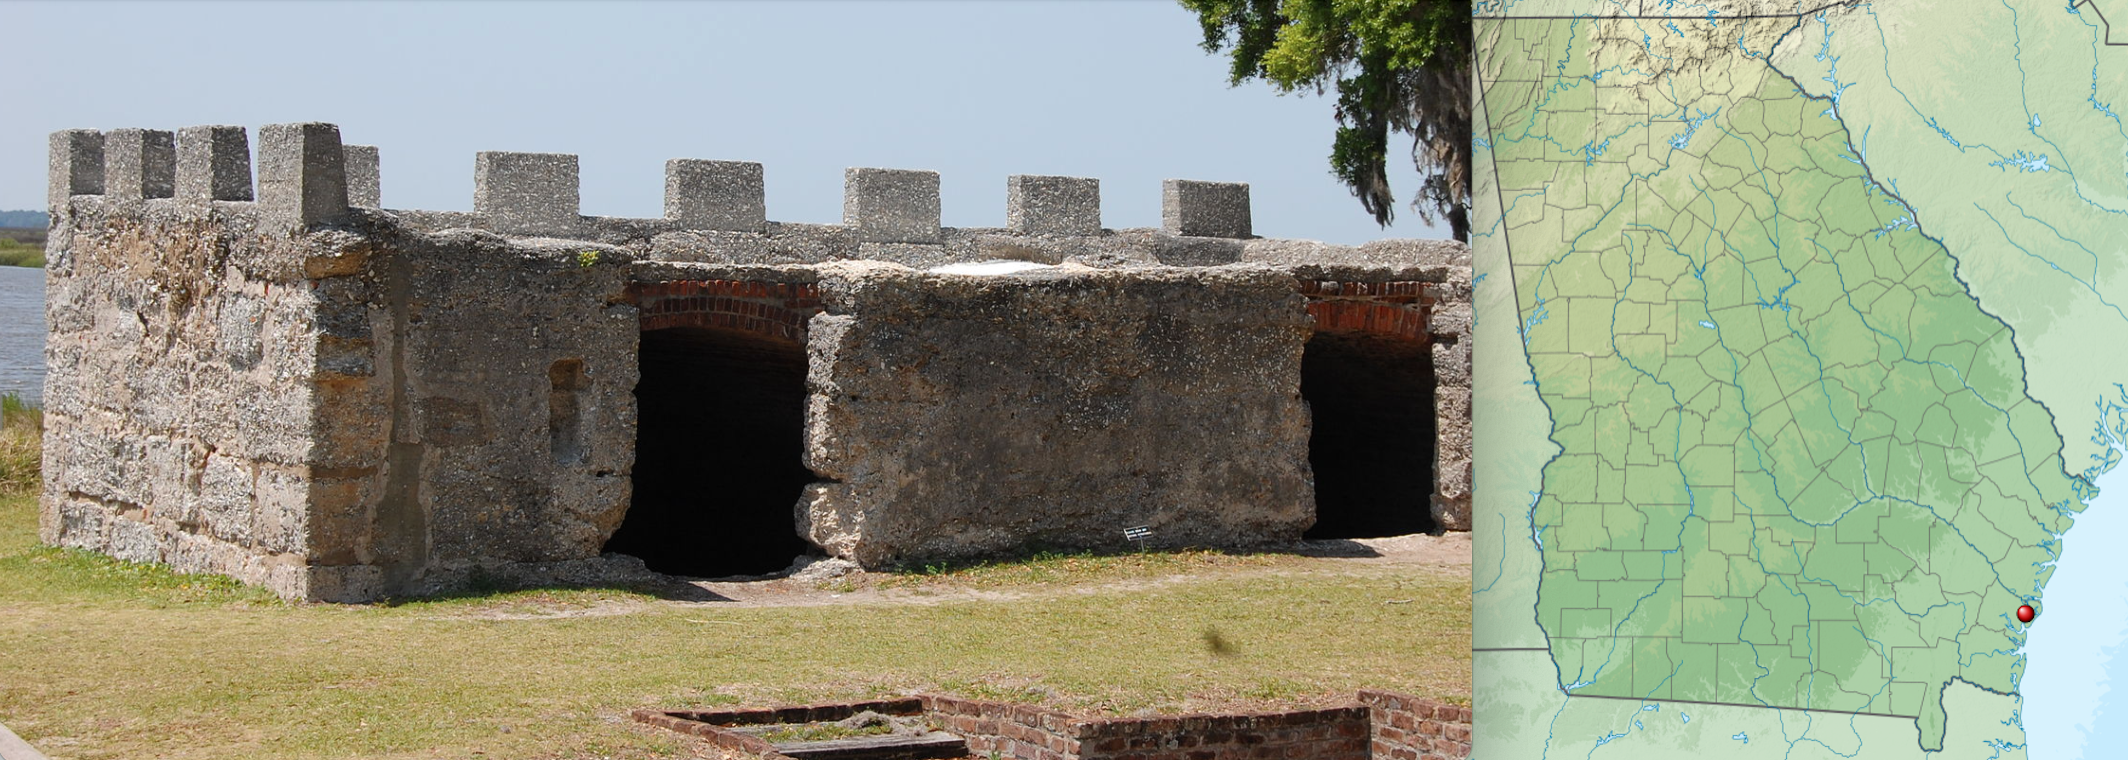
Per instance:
{"type": "Point", "coordinates": [2101, 19]}
{"type": "Point", "coordinates": [1700, 17]}
{"type": "Point", "coordinates": [1506, 244]}
{"type": "Point", "coordinates": [1571, 695]}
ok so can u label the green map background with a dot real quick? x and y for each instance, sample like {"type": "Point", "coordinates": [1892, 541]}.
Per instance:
{"type": "Point", "coordinates": [1950, 75]}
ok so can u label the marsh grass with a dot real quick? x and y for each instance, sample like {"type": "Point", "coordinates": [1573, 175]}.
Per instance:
{"type": "Point", "coordinates": [17, 254]}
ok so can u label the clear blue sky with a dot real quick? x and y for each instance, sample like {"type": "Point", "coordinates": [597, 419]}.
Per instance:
{"type": "Point", "coordinates": [1114, 89]}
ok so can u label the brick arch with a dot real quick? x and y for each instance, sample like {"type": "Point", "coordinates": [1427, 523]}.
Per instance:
{"type": "Point", "coordinates": [1396, 310]}
{"type": "Point", "coordinates": [1366, 317]}
{"type": "Point", "coordinates": [1367, 374]}
{"type": "Point", "coordinates": [774, 310]}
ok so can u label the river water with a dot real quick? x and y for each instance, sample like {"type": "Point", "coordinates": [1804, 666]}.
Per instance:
{"type": "Point", "coordinates": [22, 332]}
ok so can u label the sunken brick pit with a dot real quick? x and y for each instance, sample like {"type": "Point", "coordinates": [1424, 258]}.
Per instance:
{"type": "Point", "coordinates": [1379, 725]}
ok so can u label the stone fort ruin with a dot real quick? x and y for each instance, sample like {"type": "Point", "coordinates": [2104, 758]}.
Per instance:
{"type": "Point", "coordinates": [340, 402]}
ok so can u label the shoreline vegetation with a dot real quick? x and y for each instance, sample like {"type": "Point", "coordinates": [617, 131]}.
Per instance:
{"type": "Point", "coordinates": [22, 254]}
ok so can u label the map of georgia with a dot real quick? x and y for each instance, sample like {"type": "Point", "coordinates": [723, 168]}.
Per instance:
{"type": "Point", "coordinates": [1789, 465]}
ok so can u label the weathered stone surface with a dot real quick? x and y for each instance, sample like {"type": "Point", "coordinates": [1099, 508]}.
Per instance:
{"type": "Point", "coordinates": [139, 163]}
{"type": "Point", "coordinates": [1042, 205]}
{"type": "Point", "coordinates": [891, 205]}
{"type": "Point", "coordinates": [1211, 209]}
{"type": "Point", "coordinates": [716, 195]}
{"type": "Point", "coordinates": [213, 164]}
{"type": "Point", "coordinates": [527, 193]}
{"type": "Point", "coordinates": [302, 175]}
{"type": "Point", "coordinates": [343, 403]}
{"type": "Point", "coordinates": [76, 166]}
{"type": "Point", "coordinates": [946, 410]}
{"type": "Point", "coordinates": [365, 181]}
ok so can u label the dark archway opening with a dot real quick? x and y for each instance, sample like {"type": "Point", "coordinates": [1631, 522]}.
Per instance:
{"type": "Point", "coordinates": [1372, 447]}
{"type": "Point", "coordinates": [719, 439]}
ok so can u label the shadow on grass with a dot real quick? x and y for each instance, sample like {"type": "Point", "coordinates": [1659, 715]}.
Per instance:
{"type": "Point", "coordinates": [484, 586]}
{"type": "Point", "coordinates": [1176, 557]}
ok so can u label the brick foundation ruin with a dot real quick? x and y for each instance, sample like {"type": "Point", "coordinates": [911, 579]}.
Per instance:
{"type": "Point", "coordinates": [1380, 725]}
{"type": "Point", "coordinates": [299, 389]}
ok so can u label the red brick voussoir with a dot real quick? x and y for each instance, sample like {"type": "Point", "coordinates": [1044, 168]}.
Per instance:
{"type": "Point", "coordinates": [776, 310]}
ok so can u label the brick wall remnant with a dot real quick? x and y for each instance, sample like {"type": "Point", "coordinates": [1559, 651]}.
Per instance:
{"type": "Point", "coordinates": [1405, 727]}
{"type": "Point", "coordinates": [1380, 726]}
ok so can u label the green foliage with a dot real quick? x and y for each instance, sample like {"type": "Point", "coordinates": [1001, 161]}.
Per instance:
{"type": "Point", "coordinates": [1398, 66]}
{"type": "Point", "coordinates": [16, 254]}
{"type": "Point", "coordinates": [587, 259]}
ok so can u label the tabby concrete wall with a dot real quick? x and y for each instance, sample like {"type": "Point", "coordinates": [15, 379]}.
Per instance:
{"type": "Point", "coordinates": [295, 388]}
{"type": "Point", "coordinates": [180, 421]}
{"type": "Point", "coordinates": [957, 416]}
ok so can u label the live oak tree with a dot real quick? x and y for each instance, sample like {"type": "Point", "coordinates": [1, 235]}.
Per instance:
{"type": "Point", "coordinates": [1399, 66]}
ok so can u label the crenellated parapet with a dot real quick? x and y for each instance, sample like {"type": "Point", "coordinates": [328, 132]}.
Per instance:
{"type": "Point", "coordinates": [306, 177]}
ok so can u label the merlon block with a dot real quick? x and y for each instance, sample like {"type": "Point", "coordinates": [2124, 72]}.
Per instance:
{"type": "Point", "coordinates": [1053, 205]}
{"type": "Point", "coordinates": [892, 205]}
{"type": "Point", "coordinates": [213, 164]}
{"type": "Point", "coordinates": [139, 163]}
{"type": "Point", "coordinates": [715, 195]}
{"type": "Point", "coordinates": [527, 193]}
{"type": "Point", "coordinates": [364, 186]}
{"type": "Point", "coordinates": [1207, 209]}
{"type": "Point", "coordinates": [302, 174]}
{"type": "Point", "coordinates": [76, 165]}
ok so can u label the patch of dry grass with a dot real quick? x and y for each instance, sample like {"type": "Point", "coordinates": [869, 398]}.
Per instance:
{"type": "Point", "coordinates": [1061, 568]}
{"type": "Point", "coordinates": [104, 659]}
{"type": "Point", "coordinates": [21, 435]}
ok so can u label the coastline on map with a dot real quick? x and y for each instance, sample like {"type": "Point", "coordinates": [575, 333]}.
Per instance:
{"type": "Point", "coordinates": [2078, 646]}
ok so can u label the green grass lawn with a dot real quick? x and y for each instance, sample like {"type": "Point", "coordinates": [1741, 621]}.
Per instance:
{"type": "Point", "coordinates": [102, 659]}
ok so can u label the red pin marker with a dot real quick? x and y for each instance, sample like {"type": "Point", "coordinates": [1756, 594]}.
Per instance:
{"type": "Point", "coordinates": [2025, 614]}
